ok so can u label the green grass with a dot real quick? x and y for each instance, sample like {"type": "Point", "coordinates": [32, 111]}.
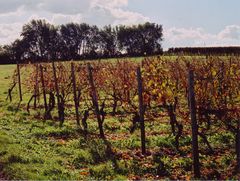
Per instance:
{"type": "Point", "coordinates": [6, 72]}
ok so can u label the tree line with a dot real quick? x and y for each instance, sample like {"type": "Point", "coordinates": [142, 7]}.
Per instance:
{"type": "Point", "coordinates": [42, 41]}
{"type": "Point", "coordinates": [234, 50]}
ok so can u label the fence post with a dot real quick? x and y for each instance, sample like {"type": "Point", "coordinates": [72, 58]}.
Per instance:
{"type": "Point", "coordinates": [141, 110]}
{"type": "Point", "coordinates": [192, 104]}
{"type": "Point", "coordinates": [75, 93]}
{"type": "Point", "coordinates": [36, 88]}
{"type": "Point", "coordinates": [237, 147]}
{"type": "Point", "coordinates": [19, 82]}
{"type": "Point", "coordinates": [57, 92]}
{"type": "Point", "coordinates": [95, 101]}
{"type": "Point", "coordinates": [43, 89]}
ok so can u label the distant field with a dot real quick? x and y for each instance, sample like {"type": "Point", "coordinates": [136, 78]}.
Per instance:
{"type": "Point", "coordinates": [6, 72]}
{"type": "Point", "coordinates": [34, 148]}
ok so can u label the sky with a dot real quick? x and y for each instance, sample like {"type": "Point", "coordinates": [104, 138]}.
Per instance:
{"type": "Point", "coordinates": [185, 22]}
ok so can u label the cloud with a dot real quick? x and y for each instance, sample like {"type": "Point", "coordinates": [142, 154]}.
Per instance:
{"type": "Point", "coordinates": [177, 34]}
{"type": "Point", "coordinates": [15, 13]}
{"type": "Point", "coordinates": [69, 7]}
{"type": "Point", "coordinates": [116, 16]}
{"type": "Point", "coordinates": [184, 37]}
{"type": "Point", "coordinates": [113, 12]}
{"type": "Point", "coordinates": [9, 32]}
{"type": "Point", "coordinates": [230, 32]}
{"type": "Point", "coordinates": [99, 12]}
{"type": "Point", "coordinates": [109, 3]}
{"type": "Point", "coordinates": [127, 17]}
{"type": "Point", "coordinates": [58, 19]}
{"type": "Point", "coordinates": [9, 6]}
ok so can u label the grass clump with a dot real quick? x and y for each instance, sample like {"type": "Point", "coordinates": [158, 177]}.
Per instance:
{"type": "Point", "coordinates": [103, 171]}
{"type": "Point", "coordinates": [82, 159]}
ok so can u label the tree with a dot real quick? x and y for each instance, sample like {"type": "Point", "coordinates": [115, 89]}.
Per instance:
{"type": "Point", "coordinates": [72, 37]}
{"type": "Point", "coordinates": [140, 40]}
{"type": "Point", "coordinates": [125, 37]}
{"type": "Point", "coordinates": [108, 41]}
{"type": "Point", "coordinates": [150, 38]}
{"type": "Point", "coordinates": [42, 41]}
{"type": "Point", "coordinates": [92, 43]}
{"type": "Point", "coordinates": [5, 55]}
{"type": "Point", "coordinates": [19, 50]}
{"type": "Point", "coordinates": [40, 37]}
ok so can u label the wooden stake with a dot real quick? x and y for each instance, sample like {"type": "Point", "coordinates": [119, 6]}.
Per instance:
{"type": "Point", "coordinates": [19, 82]}
{"type": "Point", "coordinates": [141, 110]}
{"type": "Point", "coordinates": [75, 93]}
{"type": "Point", "coordinates": [194, 124]}
{"type": "Point", "coordinates": [95, 101]}
{"type": "Point", "coordinates": [36, 88]}
{"type": "Point", "coordinates": [57, 92]}
{"type": "Point", "coordinates": [43, 89]}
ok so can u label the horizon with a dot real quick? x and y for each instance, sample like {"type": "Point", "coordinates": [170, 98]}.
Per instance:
{"type": "Point", "coordinates": [188, 23]}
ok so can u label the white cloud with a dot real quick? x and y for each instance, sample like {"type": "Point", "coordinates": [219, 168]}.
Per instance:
{"type": "Point", "coordinates": [178, 34]}
{"type": "Point", "coordinates": [15, 13]}
{"type": "Point", "coordinates": [69, 7]}
{"type": "Point", "coordinates": [9, 32]}
{"type": "Point", "coordinates": [112, 12]}
{"type": "Point", "coordinates": [183, 37]}
{"type": "Point", "coordinates": [99, 12]}
{"type": "Point", "coordinates": [127, 17]}
{"type": "Point", "coordinates": [116, 16]}
{"type": "Point", "coordinates": [109, 3]}
{"type": "Point", "coordinates": [230, 32]}
{"type": "Point", "coordinates": [58, 19]}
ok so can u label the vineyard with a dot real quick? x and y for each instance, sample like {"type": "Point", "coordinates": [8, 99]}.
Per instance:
{"type": "Point", "coordinates": [162, 117]}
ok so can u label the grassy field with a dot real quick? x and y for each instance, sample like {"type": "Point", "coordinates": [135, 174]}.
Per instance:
{"type": "Point", "coordinates": [32, 148]}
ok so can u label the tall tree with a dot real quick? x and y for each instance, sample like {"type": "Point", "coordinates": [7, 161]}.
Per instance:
{"type": "Point", "coordinates": [71, 39]}
{"type": "Point", "coordinates": [6, 54]}
{"type": "Point", "coordinates": [19, 50]}
{"type": "Point", "coordinates": [150, 37]}
{"type": "Point", "coordinates": [40, 36]}
{"type": "Point", "coordinates": [42, 41]}
{"type": "Point", "coordinates": [143, 39]}
{"type": "Point", "coordinates": [92, 42]}
{"type": "Point", "coordinates": [108, 41]}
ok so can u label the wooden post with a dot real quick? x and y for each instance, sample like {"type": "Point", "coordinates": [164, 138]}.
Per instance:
{"type": "Point", "coordinates": [75, 93]}
{"type": "Point", "coordinates": [36, 88]}
{"type": "Point", "coordinates": [95, 101]}
{"type": "Point", "coordinates": [43, 89]}
{"type": "Point", "coordinates": [141, 110]}
{"type": "Point", "coordinates": [19, 82]}
{"type": "Point", "coordinates": [194, 124]}
{"type": "Point", "coordinates": [57, 92]}
{"type": "Point", "coordinates": [237, 147]}
{"type": "Point", "coordinates": [221, 84]}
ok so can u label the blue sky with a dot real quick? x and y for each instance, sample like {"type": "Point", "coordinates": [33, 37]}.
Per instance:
{"type": "Point", "coordinates": [212, 15]}
{"type": "Point", "coordinates": [185, 22]}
